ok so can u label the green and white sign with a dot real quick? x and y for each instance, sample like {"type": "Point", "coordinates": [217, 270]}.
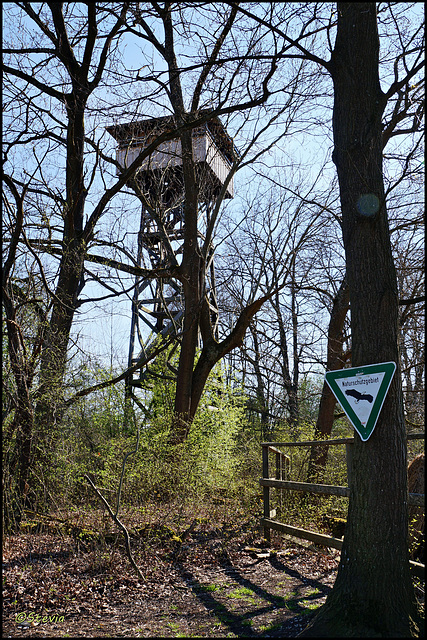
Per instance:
{"type": "Point", "coordinates": [361, 392]}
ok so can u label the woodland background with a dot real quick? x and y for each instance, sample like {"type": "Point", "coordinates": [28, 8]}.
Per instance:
{"type": "Point", "coordinates": [288, 294]}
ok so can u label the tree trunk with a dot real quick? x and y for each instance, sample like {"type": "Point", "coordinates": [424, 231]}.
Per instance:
{"type": "Point", "coordinates": [212, 352]}
{"type": "Point", "coordinates": [192, 272]}
{"type": "Point", "coordinates": [335, 361]}
{"type": "Point", "coordinates": [262, 404]}
{"type": "Point", "coordinates": [289, 382]}
{"type": "Point", "coordinates": [55, 348]}
{"type": "Point", "coordinates": [373, 593]}
{"type": "Point", "coordinates": [18, 465]}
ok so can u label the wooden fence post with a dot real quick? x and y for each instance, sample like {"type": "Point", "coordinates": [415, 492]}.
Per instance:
{"type": "Point", "coordinates": [349, 460]}
{"type": "Point", "coordinates": [279, 476]}
{"type": "Point", "coordinates": [266, 492]}
{"type": "Point", "coordinates": [283, 464]}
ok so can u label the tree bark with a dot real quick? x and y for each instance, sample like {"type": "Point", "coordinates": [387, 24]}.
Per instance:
{"type": "Point", "coordinates": [55, 348]}
{"type": "Point", "coordinates": [192, 275]}
{"type": "Point", "coordinates": [373, 593]}
{"type": "Point", "coordinates": [262, 405]}
{"type": "Point", "coordinates": [289, 382]}
{"type": "Point", "coordinates": [23, 420]}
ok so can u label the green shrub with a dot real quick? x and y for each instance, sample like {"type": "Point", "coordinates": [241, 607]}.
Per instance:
{"type": "Point", "coordinates": [95, 441]}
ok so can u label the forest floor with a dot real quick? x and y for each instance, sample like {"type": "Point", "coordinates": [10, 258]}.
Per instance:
{"type": "Point", "coordinates": [207, 578]}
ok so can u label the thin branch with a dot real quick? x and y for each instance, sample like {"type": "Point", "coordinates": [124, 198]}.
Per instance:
{"type": "Point", "coordinates": [413, 300]}
{"type": "Point", "coordinates": [304, 53]}
{"type": "Point", "coordinates": [119, 523]}
{"type": "Point", "coordinates": [36, 83]}
{"type": "Point", "coordinates": [212, 58]}
{"type": "Point", "coordinates": [141, 362]}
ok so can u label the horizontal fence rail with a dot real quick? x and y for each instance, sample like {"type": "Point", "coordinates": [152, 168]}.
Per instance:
{"type": "Point", "coordinates": [306, 443]}
{"type": "Point", "coordinates": [326, 489]}
{"type": "Point", "coordinates": [280, 483]}
{"type": "Point", "coordinates": [317, 538]}
{"type": "Point", "coordinates": [414, 499]}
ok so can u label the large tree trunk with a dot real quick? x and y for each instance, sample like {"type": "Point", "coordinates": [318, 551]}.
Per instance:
{"type": "Point", "coordinates": [192, 273]}
{"type": "Point", "coordinates": [55, 348]}
{"type": "Point", "coordinates": [373, 593]}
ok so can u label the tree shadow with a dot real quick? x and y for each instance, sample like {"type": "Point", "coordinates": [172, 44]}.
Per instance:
{"type": "Point", "coordinates": [297, 608]}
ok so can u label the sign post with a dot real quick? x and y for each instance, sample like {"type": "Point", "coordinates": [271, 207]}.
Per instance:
{"type": "Point", "coordinates": [361, 392]}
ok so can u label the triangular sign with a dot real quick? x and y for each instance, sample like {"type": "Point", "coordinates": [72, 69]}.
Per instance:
{"type": "Point", "coordinates": [361, 392]}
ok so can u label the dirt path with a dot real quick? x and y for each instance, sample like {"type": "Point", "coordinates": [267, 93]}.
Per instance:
{"type": "Point", "coordinates": [219, 584]}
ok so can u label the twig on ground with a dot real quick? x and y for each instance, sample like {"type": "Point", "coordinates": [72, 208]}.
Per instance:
{"type": "Point", "coordinates": [119, 524]}
{"type": "Point", "coordinates": [114, 516]}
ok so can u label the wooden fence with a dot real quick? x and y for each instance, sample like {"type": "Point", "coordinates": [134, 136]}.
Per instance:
{"type": "Point", "coordinates": [281, 482]}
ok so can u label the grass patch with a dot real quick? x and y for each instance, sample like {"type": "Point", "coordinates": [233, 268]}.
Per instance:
{"type": "Point", "coordinates": [273, 626]}
{"type": "Point", "coordinates": [309, 606]}
{"type": "Point", "coordinates": [292, 602]}
{"type": "Point", "coordinates": [208, 588]}
{"type": "Point", "coordinates": [241, 593]}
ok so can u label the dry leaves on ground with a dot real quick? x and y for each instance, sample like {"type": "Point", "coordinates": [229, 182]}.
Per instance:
{"type": "Point", "coordinates": [219, 582]}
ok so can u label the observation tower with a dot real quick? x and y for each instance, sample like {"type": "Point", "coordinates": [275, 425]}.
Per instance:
{"type": "Point", "coordinates": [157, 304]}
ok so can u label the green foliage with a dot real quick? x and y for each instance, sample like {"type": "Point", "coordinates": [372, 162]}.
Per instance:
{"type": "Point", "coordinates": [308, 510]}
{"type": "Point", "coordinates": [415, 447]}
{"type": "Point", "coordinates": [214, 433]}
{"type": "Point", "coordinates": [219, 463]}
{"type": "Point", "coordinates": [95, 440]}
{"type": "Point", "coordinates": [86, 430]}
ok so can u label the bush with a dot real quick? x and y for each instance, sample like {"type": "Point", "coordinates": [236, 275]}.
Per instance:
{"type": "Point", "coordinates": [95, 441]}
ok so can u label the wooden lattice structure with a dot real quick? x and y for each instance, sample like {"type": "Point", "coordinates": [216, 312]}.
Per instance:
{"type": "Point", "coordinates": [158, 304]}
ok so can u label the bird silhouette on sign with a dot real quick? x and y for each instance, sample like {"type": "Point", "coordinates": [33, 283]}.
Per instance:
{"type": "Point", "coordinates": [359, 396]}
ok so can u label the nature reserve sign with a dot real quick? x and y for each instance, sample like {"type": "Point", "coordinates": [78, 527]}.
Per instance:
{"type": "Point", "coordinates": [361, 392]}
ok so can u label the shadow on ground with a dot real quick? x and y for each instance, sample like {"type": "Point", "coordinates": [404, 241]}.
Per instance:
{"type": "Point", "coordinates": [263, 613]}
